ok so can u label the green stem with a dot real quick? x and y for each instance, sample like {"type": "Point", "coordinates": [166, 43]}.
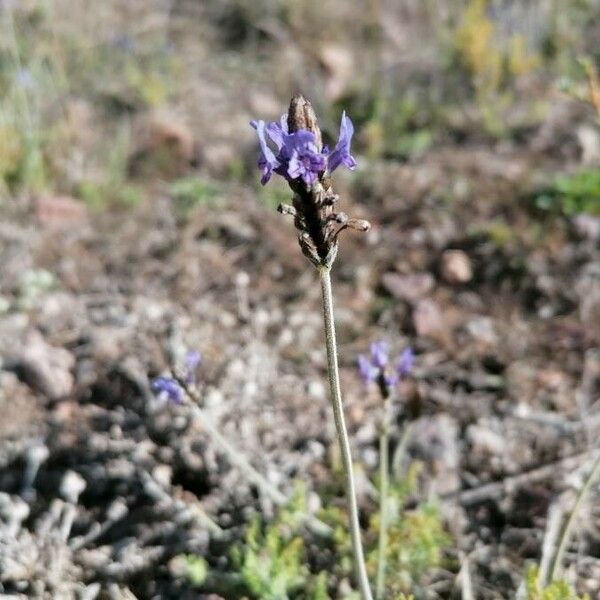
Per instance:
{"type": "Point", "coordinates": [565, 537]}
{"type": "Point", "coordinates": [384, 483]}
{"type": "Point", "coordinates": [342, 433]}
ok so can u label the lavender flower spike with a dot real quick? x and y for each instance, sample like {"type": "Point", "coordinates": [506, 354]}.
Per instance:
{"type": "Point", "coordinates": [292, 148]}
{"type": "Point", "coordinates": [341, 153]}
{"type": "Point", "coordinates": [267, 161]}
{"type": "Point", "coordinates": [168, 387]}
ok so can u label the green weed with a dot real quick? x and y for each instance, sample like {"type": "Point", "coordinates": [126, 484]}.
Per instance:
{"type": "Point", "coordinates": [271, 561]}
{"type": "Point", "coordinates": [557, 590]}
{"type": "Point", "coordinates": [191, 191]}
{"type": "Point", "coordinates": [572, 194]}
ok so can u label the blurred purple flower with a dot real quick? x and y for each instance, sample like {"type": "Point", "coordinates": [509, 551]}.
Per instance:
{"type": "Point", "coordinates": [379, 354]}
{"type": "Point", "coordinates": [297, 153]}
{"type": "Point", "coordinates": [376, 366]}
{"type": "Point", "coordinates": [367, 370]}
{"type": "Point", "coordinates": [167, 386]}
{"type": "Point", "coordinates": [405, 363]}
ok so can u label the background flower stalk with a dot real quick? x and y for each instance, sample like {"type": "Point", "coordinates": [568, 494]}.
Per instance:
{"type": "Point", "coordinates": [377, 369]}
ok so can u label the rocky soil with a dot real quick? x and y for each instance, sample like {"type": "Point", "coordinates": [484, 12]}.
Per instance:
{"type": "Point", "coordinates": [102, 484]}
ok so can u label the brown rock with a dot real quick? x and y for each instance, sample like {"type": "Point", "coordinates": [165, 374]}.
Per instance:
{"type": "Point", "coordinates": [428, 319]}
{"type": "Point", "coordinates": [456, 267]}
{"type": "Point", "coordinates": [20, 414]}
{"type": "Point", "coordinates": [45, 367]}
{"type": "Point", "coordinates": [164, 144]}
{"type": "Point", "coordinates": [434, 440]}
{"type": "Point", "coordinates": [59, 211]}
{"type": "Point", "coordinates": [410, 287]}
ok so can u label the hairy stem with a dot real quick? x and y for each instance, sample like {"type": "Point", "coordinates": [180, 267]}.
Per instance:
{"type": "Point", "coordinates": [384, 484]}
{"type": "Point", "coordinates": [342, 433]}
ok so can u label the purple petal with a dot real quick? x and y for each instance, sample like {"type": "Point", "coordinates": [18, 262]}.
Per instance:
{"type": "Point", "coordinates": [406, 362]}
{"type": "Point", "coordinates": [295, 167]}
{"type": "Point", "coordinates": [367, 370]}
{"type": "Point", "coordinates": [267, 161]}
{"type": "Point", "coordinates": [341, 153]}
{"type": "Point", "coordinates": [192, 359]}
{"type": "Point", "coordinates": [390, 379]}
{"type": "Point", "coordinates": [309, 177]}
{"type": "Point", "coordinates": [379, 354]}
{"type": "Point", "coordinates": [301, 140]}
{"type": "Point", "coordinates": [283, 123]}
{"type": "Point", "coordinates": [304, 160]}
{"type": "Point", "coordinates": [277, 133]}
{"type": "Point", "coordinates": [168, 387]}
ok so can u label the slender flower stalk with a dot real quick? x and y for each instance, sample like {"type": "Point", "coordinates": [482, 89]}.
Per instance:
{"type": "Point", "coordinates": [293, 149]}
{"type": "Point", "coordinates": [342, 432]}
{"type": "Point", "coordinates": [384, 485]}
{"type": "Point", "coordinates": [376, 369]}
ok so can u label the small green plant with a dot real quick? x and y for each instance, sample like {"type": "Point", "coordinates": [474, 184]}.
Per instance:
{"type": "Point", "coordinates": [416, 539]}
{"type": "Point", "coordinates": [191, 191]}
{"type": "Point", "coordinates": [416, 543]}
{"type": "Point", "coordinates": [573, 194]}
{"type": "Point", "coordinates": [21, 157]}
{"type": "Point", "coordinates": [268, 563]}
{"type": "Point", "coordinates": [196, 569]}
{"type": "Point", "coordinates": [496, 231]}
{"type": "Point", "coordinates": [271, 560]}
{"type": "Point", "coordinates": [557, 590]}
